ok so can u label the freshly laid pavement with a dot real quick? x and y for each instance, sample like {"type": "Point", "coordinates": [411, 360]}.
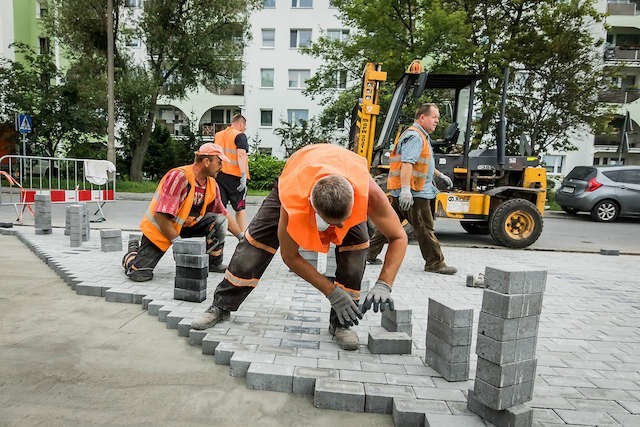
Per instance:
{"type": "Point", "coordinates": [588, 365]}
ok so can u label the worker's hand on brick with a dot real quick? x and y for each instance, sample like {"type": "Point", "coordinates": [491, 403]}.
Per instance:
{"type": "Point", "coordinates": [378, 297]}
{"type": "Point", "coordinates": [446, 180]}
{"type": "Point", "coordinates": [344, 306]}
{"type": "Point", "coordinates": [405, 200]}
{"type": "Point", "coordinates": [243, 184]}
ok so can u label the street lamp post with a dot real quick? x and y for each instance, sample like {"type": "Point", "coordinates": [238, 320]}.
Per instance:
{"type": "Point", "coordinates": [111, 143]}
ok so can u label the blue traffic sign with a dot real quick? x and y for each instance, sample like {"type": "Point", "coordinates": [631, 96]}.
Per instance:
{"type": "Point", "coordinates": [24, 123]}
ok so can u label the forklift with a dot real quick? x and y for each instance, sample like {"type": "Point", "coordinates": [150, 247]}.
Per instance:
{"type": "Point", "coordinates": [493, 193]}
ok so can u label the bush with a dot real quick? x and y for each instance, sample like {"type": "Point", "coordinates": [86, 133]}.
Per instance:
{"type": "Point", "coordinates": [264, 169]}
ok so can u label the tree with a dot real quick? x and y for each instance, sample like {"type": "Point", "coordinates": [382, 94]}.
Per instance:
{"type": "Point", "coordinates": [64, 109]}
{"type": "Point", "coordinates": [297, 135]}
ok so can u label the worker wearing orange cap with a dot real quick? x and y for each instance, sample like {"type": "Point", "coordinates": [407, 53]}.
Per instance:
{"type": "Point", "coordinates": [186, 204]}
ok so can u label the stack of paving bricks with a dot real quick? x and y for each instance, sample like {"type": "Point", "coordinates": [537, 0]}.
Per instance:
{"type": "Point", "coordinates": [397, 321]}
{"type": "Point", "coordinates": [42, 214]}
{"type": "Point", "coordinates": [111, 240]}
{"type": "Point", "coordinates": [506, 347]}
{"type": "Point", "coordinates": [86, 229]}
{"type": "Point", "coordinates": [74, 216]}
{"type": "Point", "coordinates": [395, 338]}
{"type": "Point", "coordinates": [448, 342]}
{"type": "Point", "coordinates": [192, 269]}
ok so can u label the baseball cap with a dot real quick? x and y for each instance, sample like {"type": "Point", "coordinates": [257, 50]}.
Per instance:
{"type": "Point", "coordinates": [211, 149]}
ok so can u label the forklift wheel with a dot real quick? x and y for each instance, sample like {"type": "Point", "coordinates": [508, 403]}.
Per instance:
{"type": "Point", "coordinates": [516, 223]}
{"type": "Point", "coordinates": [475, 227]}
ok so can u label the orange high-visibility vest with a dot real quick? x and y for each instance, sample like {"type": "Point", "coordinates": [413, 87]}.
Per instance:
{"type": "Point", "coordinates": [306, 167]}
{"type": "Point", "coordinates": [227, 140]}
{"type": "Point", "coordinates": [420, 168]}
{"type": "Point", "coordinates": [150, 227]}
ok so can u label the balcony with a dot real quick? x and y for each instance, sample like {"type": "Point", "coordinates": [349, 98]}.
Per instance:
{"type": "Point", "coordinates": [619, 96]}
{"type": "Point", "coordinates": [234, 89]}
{"type": "Point", "coordinates": [614, 8]}
{"type": "Point", "coordinates": [622, 55]}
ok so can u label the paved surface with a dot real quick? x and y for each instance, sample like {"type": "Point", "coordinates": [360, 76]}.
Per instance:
{"type": "Point", "coordinates": [589, 338]}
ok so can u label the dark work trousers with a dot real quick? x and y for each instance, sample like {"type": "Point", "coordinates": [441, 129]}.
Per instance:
{"type": "Point", "coordinates": [254, 253]}
{"type": "Point", "coordinates": [139, 266]}
{"type": "Point", "coordinates": [421, 217]}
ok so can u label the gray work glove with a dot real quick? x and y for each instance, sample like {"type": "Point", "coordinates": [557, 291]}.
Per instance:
{"type": "Point", "coordinates": [446, 180]}
{"type": "Point", "coordinates": [176, 239]}
{"type": "Point", "coordinates": [240, 236]}
{"type": "Point", "coordinates": [344, 306]}
{"type": "Point", "coordinates": [379, 296]}
{"type": "Point", "coordinates": [243, 184]}
{"type": "Point", "coordinates": [405, 200]}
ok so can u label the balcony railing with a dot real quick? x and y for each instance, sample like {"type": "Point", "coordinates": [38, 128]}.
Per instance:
{"type": "Point", "coordinates": [237, 89]}
{"type": "Point", "coordinates": [626, 54]}
{"type": "Point", "coordinates": [621, 8]}
{"type": "Point", "coordinates": [619, 96]}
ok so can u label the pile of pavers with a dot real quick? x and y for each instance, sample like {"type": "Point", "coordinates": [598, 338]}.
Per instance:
{"type": "Point", "coordinates": [192, 269]}
{"type": "Point", "coordinates": [111, 240]}
{"type": "Point", "coordinates": [74, 224]}
{"type": "Point", "coordinates": [70, 217]}
{"type": "Point", "coordinates": [506, 346]}
{"type": "Point", "coordinates": [42, 214]}
{"type": "Point", "coordinates": [395, 335]}
{"type": "Point", "coordinates": [448, 340]}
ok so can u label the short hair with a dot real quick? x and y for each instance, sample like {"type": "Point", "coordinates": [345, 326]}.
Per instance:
{"type": "Point", "coordinates": [425, 109]}
{"type": "Point", "coordinates": [332, 196]}
{"type": "Point", "coordinates": [238, 117]}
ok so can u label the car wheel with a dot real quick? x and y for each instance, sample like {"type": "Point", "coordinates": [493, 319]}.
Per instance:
{"type": "Point", "coordinates": [475, 227]}
{"type": "Point", "coordinates": [516, 223]}
{"type": "Point", "coordinates": [570, 211]}
{"type": "Point", "coordinates": [605, 211]}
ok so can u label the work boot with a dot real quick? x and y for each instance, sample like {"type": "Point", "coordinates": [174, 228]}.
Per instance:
{"type": "Point", "coordinates": [345, 337]}
{"type": "Point", "coordinates": [210, 318]}
{"type": "Point", "coordinates": [217, 268]}
{"type": "Point", "coordinates": [443, 269]}
{"type": "Point", "coordinates": [374, 261]}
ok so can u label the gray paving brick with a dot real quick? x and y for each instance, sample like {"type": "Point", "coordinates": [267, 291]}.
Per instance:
{"type": "Point", "coordinates": [511, 306]}
{"type": "Point", "coordinates": [591, 418]}
{"type": "Point", "coordinates": [91, 290]}
{"type": "Point", "coordinates": [192, 261]}
{"type": "Point", "coordinates": [499, 398]}
{"type": "Point", "coordinates": [435, 393]}
{"type": "Point", "coordinates": [173, 319]}
{"type": "Point", "coordinates": [306, 362]}
{"type": "Point", "coordinates": [397, 316]}
{"type": "Point", "coordinates": [502, 352]}
{"type": "Point", "coordinates": [450, 353]}
{"type": "Point", "coordinates": [190, 246]}
{"type": "Point", "coordinates": [192, 296]}
{"type": "Point", "coordinates": [438, 420]}
{"type": "Point", "coordinates": [502, 375]}
{"type": "Point", "coordinates": [514, 281]}
{"type": "Point", "coordinates": [362, 376]}
{"type": "Point", "coordinates": [451, 371]}
{"type": "Point", "coordinates": [115, 295]}
{"type": "Point", "coordinates": [501, 329]}
{"type": "Point", "coordinates": [267, 376]}
{"type": "Point", "coordinates": [211, 340]}
{"type": "Point", "coordinates": [304, 379]}
{"type": "Point", "coordinates": [379, 397]}
{"type": "Point", "coordinates": [196, 336]}
{"type": "Point", "coordinates": [339, 364]}
{"type": "Point", "coordinates": [452, 316]}
{"type": "Point", "coordinates": [225, 349]}
{"type": "Point", "coordinates": [391, 326]}
{"type": "Point", "coordinates": [388, 368]}
{"type": "Point", "coordinates": [163, 312]}
{"type": "Point", "coordinates": [183, 327]}
{"type": "Point", "coordinates": [515, 416]}
{"type": "Point", "coordinates": [385, 342]}
{"type": "Point", "coordinates": [450, 335]}
{"type": "Point", "coordinates": [190, 284]}
{"type": "Point", "coordinates": [627, 419]}
{"type": "Point", "coordinates": [423, 381]}
{"type": "Point", "coordinates": [411, 412]}
{"type": "Point", "coordinates": [339, 395]}
{"type": "Point", "coordinates": [240, 361]}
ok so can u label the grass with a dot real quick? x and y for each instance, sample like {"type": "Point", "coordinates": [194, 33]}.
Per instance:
{"type": "Point", "coordinates": [150, 187]}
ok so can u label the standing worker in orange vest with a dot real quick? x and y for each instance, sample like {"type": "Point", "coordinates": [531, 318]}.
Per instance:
{"type": "Point", "coordinates": [235, 171]}
{"type": "Point", "coordinates": [186, 204]}
{"type": "Point", "coordinates": [323, 196]}
{"type": "Point", "coordinates": [410, 183]}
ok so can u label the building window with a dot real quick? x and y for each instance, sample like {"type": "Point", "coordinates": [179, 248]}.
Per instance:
{"type": "Point", "coordinates": [340, 79]}
{"type": "Point", "coordinates": [294, 116]}
{"type": "Point", "coordinates": [44, 45]}
{"type": "Point", "coordinates": [553, 163]}
{"type": "Point", "coordinates": [132, 42]}
{"type": "Point", "coordinates": [338, 35]}
{"type": "Point", "coordinates": [298, 78]}
{"type": "Point", "coordinates": [299, 38]}
{"type": "Point", "coordinates": [301, 4]}
{"type": "Point", "coordinates": [42, 9]}
{"type": "Point", "coordinates": [266, 77]}
{"type": "Point", "coordinates": [266, 118]}
{"type": "Point", "coordinates": [268, 37]}
{"type": "Point", "coordinates": [268, 4]}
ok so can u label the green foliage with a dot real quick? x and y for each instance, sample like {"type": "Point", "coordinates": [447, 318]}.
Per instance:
{"type": "Point", "coordinates": [136, 186]}
{"type": "Point", "coordinates": [264, 170]}
{"type": "Point", "coordinates": [297, 135]}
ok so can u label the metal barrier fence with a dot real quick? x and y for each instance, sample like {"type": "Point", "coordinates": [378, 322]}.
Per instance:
{"type": "Point", "coordinates": [66, 180]}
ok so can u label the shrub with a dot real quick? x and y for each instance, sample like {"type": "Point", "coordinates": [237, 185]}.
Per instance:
{"type": "Point", "coordinates": [264, 169]}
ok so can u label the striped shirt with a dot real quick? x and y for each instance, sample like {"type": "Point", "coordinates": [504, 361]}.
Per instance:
{"type": "Point", "coordinates": [174, 191]}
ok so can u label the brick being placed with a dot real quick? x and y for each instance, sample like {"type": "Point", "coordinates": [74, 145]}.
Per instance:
{"type": "Point", "coordinates": [385, 342]}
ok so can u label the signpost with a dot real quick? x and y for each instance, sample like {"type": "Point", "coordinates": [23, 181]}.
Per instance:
{"type": "Point", "coordinates": [24, 125]}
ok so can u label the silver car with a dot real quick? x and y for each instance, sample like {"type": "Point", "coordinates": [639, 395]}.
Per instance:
{"type": "Point", "coordinates": [607, 192]}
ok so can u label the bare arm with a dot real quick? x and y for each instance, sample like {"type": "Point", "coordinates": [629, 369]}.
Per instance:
{"type": "Point", "coordinates": [243, 161]}
{"type": "Point", "coordinates": [165, 223]}
{"type": "Point", "coordinates": [387, 222]}
{"type": "Point", "coordinates": [297, 264]}
{"type": "Point", "coordinates": [233, 226]}
{"type": "Point", "coordinates": [405, 174]}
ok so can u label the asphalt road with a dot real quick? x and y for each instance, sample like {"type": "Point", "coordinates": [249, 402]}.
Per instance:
{"type": "Point", "coordinates": [561, 232]}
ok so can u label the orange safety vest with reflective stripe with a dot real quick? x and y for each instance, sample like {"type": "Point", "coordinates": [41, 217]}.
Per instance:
{"type": "Point", "coordinates": [150, 227]}
{"type": "Point", "coordinates": [420, 168]}
{"type": "Point", "coordinates": [227, 140]}
{"type": "Point", "coordinates": [306, 167]}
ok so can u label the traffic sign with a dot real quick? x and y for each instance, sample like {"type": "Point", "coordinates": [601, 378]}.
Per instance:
{"type": "Point", "coordinates": [24, 124]}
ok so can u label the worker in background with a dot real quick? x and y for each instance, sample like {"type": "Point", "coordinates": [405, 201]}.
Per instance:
{"type": "Point", "coordinates": [410, 183]}
{"type": "Point", "coordinates": [235, 170]}
{"type": "Point", "coordinates": [186, 204]}
{"type": "Point", "coordinates": [323, 196]}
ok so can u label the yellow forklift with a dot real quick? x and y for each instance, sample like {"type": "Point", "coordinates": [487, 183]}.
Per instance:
{"type": "Point", "coordinates": [493, 193]}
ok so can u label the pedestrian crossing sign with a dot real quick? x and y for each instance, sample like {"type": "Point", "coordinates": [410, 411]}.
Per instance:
{"type": "Point", "coordinates": [24, 123]}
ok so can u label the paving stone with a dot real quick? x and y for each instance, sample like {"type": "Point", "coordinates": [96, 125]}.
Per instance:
{"type": "Point", "coordinates": [184, 326]}
{"type": "Point", "coordinates": [438, 420]}
{"type": "Point", "coordinates": [387, 368]}
{"type": "Point", "coordinates": [186, 295]}
{"type": "Point", "coordinates": [197, 285]}
{"type": "Point", "coordinates": [450, 353]}
{"type": "Point", "coordinates": [339, 364]}
{"type": "Point", "coordinates": [384, 342]}
{"type": "Point", "coordinates": [450, 335]}
{"type": "Point", "coordinates": [240, 361]}
{"type": "Point", "coordinates": [391, 326]}
{"type": "Point", "coordinates": [423, 381]}
{"type": "Point", "coordinates": [411, 412]}
{"type": "Point", "coordinates": [173, 319]}
{"type": "Point", "coordinates": [91, 290]}
{"type": "Point", "coordinates": [454, 317]}
{"type": "Point", "coordinates": [306, 362]}
{"type": "Point", "coordinates": [190, 246]}
{"type": "Point", "coordinates": [514, 281]}
{"type": "Point", "coordinates": [268, 376]}
{"type": "Point", "coordinates": [163, 312]}
{"type": "Point", "coordinates": [191, 261]}
{"type": "Point", "coordinates": [632, 406]}
{"type": "Point", "coordinates": [515, 416]}
{"type": "Point", "coordinates": [339, 395]}
{"type": "Point", "coordinates": [211, 340]}
{"type": "Point", "coordinates": [502, 352]}
{"type": "Point", "coordinates": [379, 397]}
{"type": "Point", "coordinates": [434, 393]}
{"type": "Point", "coordinates": [224, 351]}
{"type": "Point", "coordinates": [499, 398]}
{"type": "Point", "coordinates": [114, 295]}
{"type": "Point", "coordinates": [511, 306]}
{"type": "Point", "coordinates": [501, 329]}
{"type": "Point", "coordinates": [396, 316]}
{"type": "Point", "coordinates": [362, 376]}
{"type": "Point", "coordinates": [304, 379]}
{"type": "Point", "coordinates": [591, 418]}
{"type": "Point", "coordinates": [196, 336]}
{"type": "Point", "coordinates": [191, 273]}
{"type": "Point", "coordinates": [507, 374]}
{"type": "Point", "coordinates": [451, 371]}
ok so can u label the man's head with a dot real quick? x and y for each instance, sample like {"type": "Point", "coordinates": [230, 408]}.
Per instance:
{"type": "Point", "coordinates": [332, 199]}
{"type": "Point", "coordinates": [239, 122]}
{"type": "Point", "coordinates": [210, 156]}
{"type": "Point", "coordinates": [428, 116]}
